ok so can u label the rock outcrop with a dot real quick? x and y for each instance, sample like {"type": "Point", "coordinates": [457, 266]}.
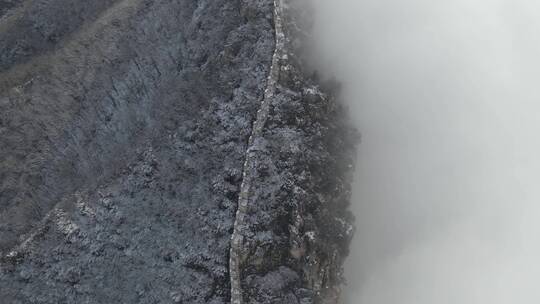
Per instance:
{"type": "Point", "coordinates": [167, 152]}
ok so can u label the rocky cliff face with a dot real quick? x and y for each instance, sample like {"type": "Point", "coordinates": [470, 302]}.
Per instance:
{"type": "Point", "coordinates": [167, 152]}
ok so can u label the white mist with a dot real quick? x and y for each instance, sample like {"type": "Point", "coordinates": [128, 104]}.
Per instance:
{"type": "Point", "coordinates": [446, 95]}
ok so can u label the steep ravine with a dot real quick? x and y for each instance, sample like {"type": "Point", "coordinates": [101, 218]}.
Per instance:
{"type": "Point", "coordinates": [140, 137]}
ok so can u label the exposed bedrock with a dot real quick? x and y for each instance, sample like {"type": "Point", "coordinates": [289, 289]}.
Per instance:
{"type": "Point", "coordinates": [125, 131]}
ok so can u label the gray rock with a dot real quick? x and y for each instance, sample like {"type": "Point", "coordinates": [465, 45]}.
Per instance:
{"type": "Point", "coordinates": [124, 127]}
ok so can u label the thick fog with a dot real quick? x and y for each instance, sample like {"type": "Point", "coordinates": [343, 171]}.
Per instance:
{"type": "Point", "coordinates": [446, 95]}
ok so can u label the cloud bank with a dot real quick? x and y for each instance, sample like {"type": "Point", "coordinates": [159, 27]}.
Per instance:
{"type": "Point", "coordinates": [447, 194]}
